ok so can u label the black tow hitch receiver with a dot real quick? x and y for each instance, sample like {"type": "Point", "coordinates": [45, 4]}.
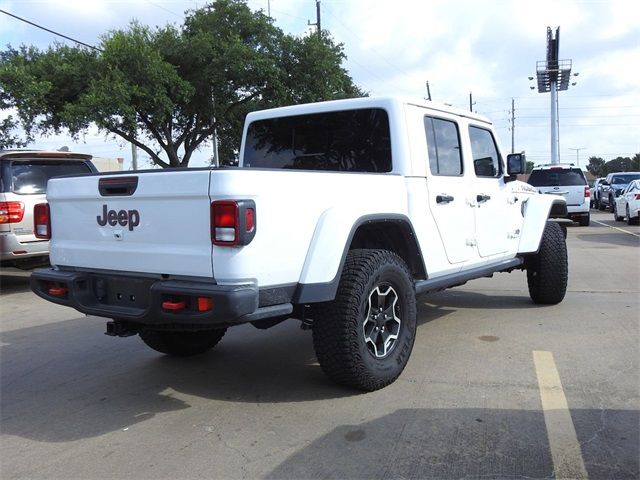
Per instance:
{"type": "Point", "coordinates": [119, 329]}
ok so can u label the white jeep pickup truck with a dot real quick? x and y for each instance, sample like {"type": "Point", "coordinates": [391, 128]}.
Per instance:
{"type": "Point", "coordinates": [338, 215]}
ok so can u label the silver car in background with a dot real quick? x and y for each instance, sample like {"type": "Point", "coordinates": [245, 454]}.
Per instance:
{"type": "Point", "coordinates": [23, 184]}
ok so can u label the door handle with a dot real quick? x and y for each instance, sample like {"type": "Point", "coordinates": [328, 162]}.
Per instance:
{"type": "Point", "coordinates": [482, 198]}
{"type": "Point", "coordinates": [444, 198]}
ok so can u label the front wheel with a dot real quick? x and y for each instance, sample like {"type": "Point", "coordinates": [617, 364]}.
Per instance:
{"type": "Point", "coordinates": [182, 344]}
{"type": "Point", "coordinates": [548, 270]}
{"type": "Point", "coordinates": [363, 338]}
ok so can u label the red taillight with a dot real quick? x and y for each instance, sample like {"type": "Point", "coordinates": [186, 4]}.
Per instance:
{"type": "Point", "coordinates": [637, 197]}
{"type": "Point", "coordinates": [587, 192]}
{"type": "Point", "coordinates": [11, 212]}
{"type": "Point", "coordinates": [233, 222]}
{"type": "Point", "coordinates": [224, 223]}
{"type": "Point", "coordinates": [42, 221]}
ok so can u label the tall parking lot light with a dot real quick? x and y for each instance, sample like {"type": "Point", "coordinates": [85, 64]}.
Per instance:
{"type": "Point", "coordinates": [553, 75]}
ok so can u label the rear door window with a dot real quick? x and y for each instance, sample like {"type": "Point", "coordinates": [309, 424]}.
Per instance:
{"type": "Point", "coordinates": [443, 142]}
{"type": "Point", "coordinates": [343, 141]}
{"type": "Point", "coordinates": [31, 177]}
{"type": "Point", "coordinates": [555, 177]}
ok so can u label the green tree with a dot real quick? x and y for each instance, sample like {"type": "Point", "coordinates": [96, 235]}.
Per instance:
{"type": "Point", "coordinates": [619, 164]}
{"type": "Point", "coordinates": [596, 167]}
{"type": "Point", "coordinates": [168, 89]}
{"type": "Point", "coordinates": [530, 166]}
{"type": "Point", "coordinates": [9, 137]}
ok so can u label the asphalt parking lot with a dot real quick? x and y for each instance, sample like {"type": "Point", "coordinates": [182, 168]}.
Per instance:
{"type": "Point", "coordinates": [496, 387]}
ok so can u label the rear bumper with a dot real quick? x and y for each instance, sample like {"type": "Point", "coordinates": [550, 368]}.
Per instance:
{"type": "Point", "coordinates": [11, 249]}
{"type": "Point", "coordinates": [151, 301]}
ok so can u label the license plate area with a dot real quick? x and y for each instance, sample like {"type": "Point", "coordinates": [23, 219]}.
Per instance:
{"type": "Point", "coordinates": [122, 292]}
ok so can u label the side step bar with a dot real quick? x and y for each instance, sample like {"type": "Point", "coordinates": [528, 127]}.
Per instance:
{"type": "Point", "coordinates": [446, 281]}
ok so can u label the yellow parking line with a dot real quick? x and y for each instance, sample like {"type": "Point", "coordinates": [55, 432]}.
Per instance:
{"type": "Point", "coordinates": [563, 441]}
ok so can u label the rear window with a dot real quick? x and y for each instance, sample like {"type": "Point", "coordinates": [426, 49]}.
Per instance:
{"type": "Point", "coordinates": [556, 177]}
{"type": "Point", "coordinates": [31, 177]}
{"type": "Point", "coordinates": [624, 179]}
{"type": "Point", "coordinates": [345, 141]}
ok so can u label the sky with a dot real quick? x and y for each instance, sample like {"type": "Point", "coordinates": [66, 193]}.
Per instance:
{"type": "Point", "coordinates": [487, 48]}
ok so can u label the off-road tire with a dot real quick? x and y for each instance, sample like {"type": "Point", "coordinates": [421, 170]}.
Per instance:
{"type": "Point", "coordinates": [547, 270]}
{"type": "Point", "coordinates": [182, 344]}
{"type": "Point", "coordinates": [344, 349]}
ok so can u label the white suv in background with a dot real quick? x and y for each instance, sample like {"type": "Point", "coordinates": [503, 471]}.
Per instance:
{"type": "Point", "coordinates": [23, 184]}
{"type": "Point", "coordinates": [568, 181]}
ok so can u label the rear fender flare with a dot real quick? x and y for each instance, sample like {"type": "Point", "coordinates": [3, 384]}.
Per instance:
{"type": "Point", "coordinates": [328, 250]}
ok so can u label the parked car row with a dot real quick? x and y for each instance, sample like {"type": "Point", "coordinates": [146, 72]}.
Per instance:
{"type": "Point", "coordinates": [611, 187]}
{"type": "Point", "coordinates": [627, 204]}
{"type": "Point", "coordinates": [23, 183]}
{"type": "Point", "coordinates": [618, 192]}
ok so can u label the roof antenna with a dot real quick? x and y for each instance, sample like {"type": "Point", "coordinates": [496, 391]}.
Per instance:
{"type": "Point", "coordinates": [428, 92]}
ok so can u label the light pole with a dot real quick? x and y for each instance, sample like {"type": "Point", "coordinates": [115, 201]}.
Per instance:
{"type": "Point", "coordinates": [577, 154]}
{"type": "Point", "coordinates": [553, 75]}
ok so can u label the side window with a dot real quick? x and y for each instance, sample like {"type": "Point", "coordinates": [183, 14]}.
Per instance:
{"type": "Point", "coordinates": [443, 142]}
{"type": "Point", "coordinates": [486, 160]}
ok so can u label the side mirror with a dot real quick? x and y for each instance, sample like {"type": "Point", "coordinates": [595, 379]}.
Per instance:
{"type": "Point", "coordinates": [516, 164]}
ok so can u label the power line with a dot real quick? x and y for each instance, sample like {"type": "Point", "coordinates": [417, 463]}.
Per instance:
{"type": "Point", "coordinates": [50, 31]}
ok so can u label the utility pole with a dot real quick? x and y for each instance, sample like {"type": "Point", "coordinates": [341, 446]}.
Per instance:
{"type": "Point", "coordinates": [214, 140]}
{"type": "Point", "coordinates": [471, 102]}
{"type": "Point", "coordinates": [577, 154]}
{"type": "Point", "coordinates": [318, 25]}
{"type": "Point", "coordinates": [513, 124]}
{"type": "Point", "coordinates": [134, 157]}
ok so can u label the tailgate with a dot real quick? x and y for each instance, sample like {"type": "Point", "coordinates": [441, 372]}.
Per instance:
{"type": "Point", "coordinates": [573, 194]}
{"type": "Point", "coordinates": [151, 222]}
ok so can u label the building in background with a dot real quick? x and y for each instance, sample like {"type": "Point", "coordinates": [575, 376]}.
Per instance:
{"type": "Point", "coordinates": [108, 164]}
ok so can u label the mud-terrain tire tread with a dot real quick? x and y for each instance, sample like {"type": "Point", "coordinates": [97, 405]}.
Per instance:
{"type": "Point", "coordinates": [182, 344]}
{"type": "Point", "coordinates": [548, 271]}
{"type": "Point", "coordinates": [337, 341]}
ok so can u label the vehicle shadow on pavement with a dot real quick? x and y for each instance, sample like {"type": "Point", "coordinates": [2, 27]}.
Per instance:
{"type": "Point", "coordinates": [66, 381]}
{"type": "Point", "coordinates": [466, 299]}
{"type": "Point", "coordinates": [617, 238]}
{"type": "Point", "coordinates": [465, 443]}
{"type": "Point", "coordinates": [14, 282]}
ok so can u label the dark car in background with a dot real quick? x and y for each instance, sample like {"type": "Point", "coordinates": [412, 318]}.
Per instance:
{"type": "Point", "coordinates": [612, 186]}
{"type": "Point", "coordinates": [23, 184]}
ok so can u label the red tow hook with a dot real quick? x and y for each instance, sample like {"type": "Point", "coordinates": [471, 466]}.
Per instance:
{"type": "Point", "coordinates": [58, 291]}
{"type": "Point", "coordinates": [169, 305]}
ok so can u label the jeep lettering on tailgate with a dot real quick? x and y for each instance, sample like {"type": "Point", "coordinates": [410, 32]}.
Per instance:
{"type": "Point", "coordinates": [122, 217]}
